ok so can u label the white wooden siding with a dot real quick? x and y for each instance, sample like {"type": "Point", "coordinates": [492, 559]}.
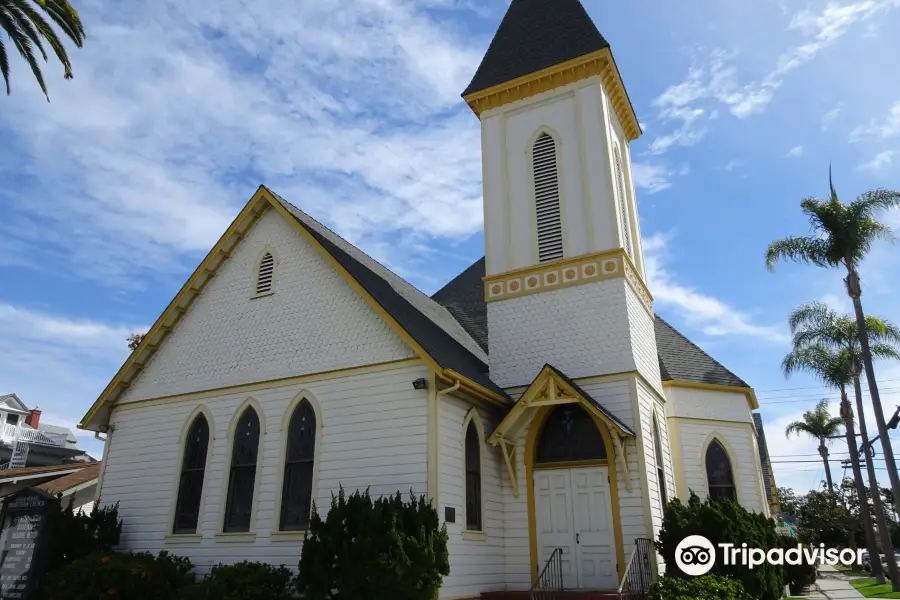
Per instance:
{"type": "Point", "coordinates": [312, 322]}
{"type": "Point", "coordinates": [476, 565]}
{"type": "Point", "coordinates": [373, 434]}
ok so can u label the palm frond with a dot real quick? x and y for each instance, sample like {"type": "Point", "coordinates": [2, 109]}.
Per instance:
{"type": "Point", "coordinates": [4, 66]}
{"type": "Point", "coordinates": [810, 315]}
{"type": "Point", "coordinates": [48, 34]}
{"type": "Point", "coordinates": [817, 423]}
{"type": "Point", "coordinates": [872, 203]}
{"type": "Point", "coordinates": [66, 17]}
{"type": "Point", "coordinates": [21, 41]}
{"type": "Point", "coordinates": [25, 23]}
{"type": "Point", "coordinates": [800, 249]}
{"type": "Point", "coordinates": [832, 367]}
{"type": "Point", "coordinates": [884, 351]}
{"type": "Point", "coordinates": [797, 427]}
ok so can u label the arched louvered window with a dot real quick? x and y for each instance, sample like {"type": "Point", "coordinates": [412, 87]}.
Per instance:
{"type": "Point", "coordinates": [242, 476]}
{"type": "Point", "coordinates": [296, 491]}
{"type": "Point", "coordinates": [660, 465]}
{"type": "Point", "coordinates": [546, 198]}
{"type": "Point", "coordinates": [623, 201]}
{"type": "Point", "coordinates": [265, 274]}
{"type": "Point", "coordinates": [190, 484]}
{"type": "Point", "coordinates": [719, 475]}
{"type": "Point", "coordinates": [569, 433]}
{"type": "Point", "coordinates": [473, 478]}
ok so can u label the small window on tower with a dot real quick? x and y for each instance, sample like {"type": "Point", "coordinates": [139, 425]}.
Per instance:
{"type": "Point", "coordinates": [546, 199]}
{"type": "Point", "coordinates": [265, 274]}
{"type": "Point", "coordinates": [623, 201]}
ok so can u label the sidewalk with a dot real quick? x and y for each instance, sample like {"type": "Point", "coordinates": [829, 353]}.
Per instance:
{"type": "Point", "coordinates": [829, 587]}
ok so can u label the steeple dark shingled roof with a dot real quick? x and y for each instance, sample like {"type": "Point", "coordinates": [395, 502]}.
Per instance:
{"type": "Point", "coordinates": [679, 358]}
{"type": "Point", "coordinates": [534, 35]}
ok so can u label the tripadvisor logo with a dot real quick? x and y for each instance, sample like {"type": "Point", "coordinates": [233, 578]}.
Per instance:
{"type": "Point", "coordinates": [695, 555]}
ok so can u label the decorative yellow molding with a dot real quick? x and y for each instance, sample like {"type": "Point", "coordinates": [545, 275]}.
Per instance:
{"type": "Point", "coordinates": [748, 392]}
{"type": "Point", "coordinates": [599, 63]}
{"type": "Point", "coordinates": [637, 284]}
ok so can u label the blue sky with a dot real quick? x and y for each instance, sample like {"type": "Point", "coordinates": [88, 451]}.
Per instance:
{"type": "Point", "coordinates": [112, 192]}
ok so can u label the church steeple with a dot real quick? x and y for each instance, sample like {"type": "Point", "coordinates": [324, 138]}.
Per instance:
{"type": "Point", "coordinates": [534, 35]}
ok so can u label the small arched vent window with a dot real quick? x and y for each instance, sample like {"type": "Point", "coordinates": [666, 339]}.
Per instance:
{"type": "Point", "coordinates": [719, 474]}
{"type": "Point", "coordinates": [623, 201]}
{"type": "Point", "coordinates": [265, 274]}
{"type": "Point", "coordinates": [546, 198]}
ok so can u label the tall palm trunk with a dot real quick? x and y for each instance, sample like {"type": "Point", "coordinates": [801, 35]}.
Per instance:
{"type": "Point", "coordinates": [854, 289]}
{"type": "Point", "coordinates": [865, 517]}
{"type": "Point", "coordinates": [883, 532]}
{"type": "Point", "coordinates": [823, 452]}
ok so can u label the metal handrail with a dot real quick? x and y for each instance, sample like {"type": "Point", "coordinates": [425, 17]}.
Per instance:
{"type": "Point", "coordinates": [550, 581]}
{"type": "Point", "coordinates": [624, 581]}
{"type": "Point", "coordinates": [635, 584]}
{"type": "Point", "coordinates": [34, 436]}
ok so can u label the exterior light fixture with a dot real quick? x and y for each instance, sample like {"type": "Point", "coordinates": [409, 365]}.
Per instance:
{"type": "Point", "coordinates": [420, 384]}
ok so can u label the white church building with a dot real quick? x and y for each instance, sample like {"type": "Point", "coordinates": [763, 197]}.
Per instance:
{"type": "Point", "coordinates": [537, 399]}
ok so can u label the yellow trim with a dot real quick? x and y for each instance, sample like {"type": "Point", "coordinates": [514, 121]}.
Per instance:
{"type": "Point", "coordinates": [472, 417]}
{"type": "Point", "coordinates": [236, 537]}
{"type": "Point", "coordinates": [434, 429]}
{"type": "Point", "coordinates": [260, 456]}
{"type": "Point", "coordinates": [288, 536]}
{"type": "Point", "coordinates": [729, 452]}
{"type": "Point", "coordinates": [717, 422]}
{"type": "Point", "coordinates": [747, 391]}
{"type": "Point", "coordinates": [295, 402]}
{"type": "Point", "coordinates": [568, 464]}
{"type": "Point", "coordinates": [473, 388]}
{"type": "Point", "coordinates": [533, 433]}
{"type": "Point", "coordinates": [260, 202]}
{"type": "Point", "coordinates": [201, 409]}
{"type": "Point", "coordinates": [599, 63]}
{"type": "Point", "coordinates": [251, 388]}
{"type": "Point", "coordinates": [183, 538]}
{"type": "Point", "coordinates": [474, 536]}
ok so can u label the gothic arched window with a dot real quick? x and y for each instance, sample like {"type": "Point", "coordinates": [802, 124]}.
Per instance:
{"type": "Point", "coordinates": [623, 201]}
{"type": "Point", "coordinates": [242, 477]}
{"type": "Point", "coordinates": [190, 484]}
{"type": "Point", "coordinates": [719, 475]}
{"type": "Point", "coordinates": [296, 490]}
{"type": "Point", "coordinates": [546, 198]}
{"type": "Point", "coordinates": [569, 433]}
{"type": "Point", "coordinates": [660, 465]}
{"type": "Point", "coordinates": [473, 478]}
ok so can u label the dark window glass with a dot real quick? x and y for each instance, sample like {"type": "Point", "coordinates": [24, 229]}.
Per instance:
{"type": "Point", "coordinates": [242, 478]}
{"type": "Point", "coordinates": [660, 465]}
{"type": "Point", "coordinates": [473, 478]}
{"type": "Point", "coordinates": [719, 474]}
{"type": "Point", "coordinates": [190, 485]}
{"type": "Point", "coordinates": [296, 492]}
{"type": "Point", "coordinates": [12, 419]}
{"type": "Point", "coordinates": [570, 433]}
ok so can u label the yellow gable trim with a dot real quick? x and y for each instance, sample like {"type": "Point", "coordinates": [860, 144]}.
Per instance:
{"type": "Point", "coordinates": [221, 251]}
{"type": "Point", "coordinates": [747, 391]}
{"type": "Point", "coordinates": [599, 63]}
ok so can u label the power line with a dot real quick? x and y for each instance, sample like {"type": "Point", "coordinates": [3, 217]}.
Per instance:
{"type": "Point", "coordinates": [809, 387]}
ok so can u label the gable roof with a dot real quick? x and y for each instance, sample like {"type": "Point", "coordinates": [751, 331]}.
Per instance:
{"type": "Point", "coordinates": [90, 473]}
{"type": "Point", "coordinates": [12, 401]}
{"type": "Point", "coordinates": [432, 332]}
{"type": "Point", "coordinates": [9, 474]}
{"type": "Point", "coordinates": [534, 35]}
{"type": "Point", "coordinates": [679, 358]}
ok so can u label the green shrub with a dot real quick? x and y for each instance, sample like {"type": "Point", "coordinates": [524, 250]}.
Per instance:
{"type": "Point", "coordinates": [796, 576]}
{"type": "Point", "coordinates": [243, 581]}
{"type": "Point", "coordinates": [707, 587]}
{"type": "Point", "coordinates": [395, 547]}
{"type": "Point", "coordinates": [724, 522]}
{"type": "Point", "coordinates": [125, 575]}
{"type": "Point", "coordinates": [78, 535]}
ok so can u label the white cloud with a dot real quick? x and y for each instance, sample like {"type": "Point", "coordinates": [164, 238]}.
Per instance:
{"type": "Point", "coordinates": [795, 152]}
{"type": "Point", "coordinates": [879, 161]}
{"type": "Point", "coordinates": [714, 81]}
{"type": "Point", "coordinates": [889, 127]}
{"type": "Point", "coordinates": [708, 314]}
{"type": "Point", "coordinates": [731, 165]}
{"type": "Point", "coordinates": [653, 178]}
{"type": "Point", "coordinates": [829, 117]}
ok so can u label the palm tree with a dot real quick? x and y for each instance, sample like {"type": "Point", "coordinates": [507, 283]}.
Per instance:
{"type": "Point", "coordinates": [833, 369]}
{"type": "Point", "coordinates": [27, 29]}
{"type": "Point", "coordinates": [842, 236]}
{"type": "Point", "coordinates": [815, 323]}
{"type": "Point", "coordinates": [817, 423]}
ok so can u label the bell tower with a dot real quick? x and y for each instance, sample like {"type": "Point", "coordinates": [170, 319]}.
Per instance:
{"type": "Point", "coordinates": [565, 272]}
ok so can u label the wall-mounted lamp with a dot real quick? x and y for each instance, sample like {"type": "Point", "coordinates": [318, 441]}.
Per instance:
{"type": "Point", "coordinates": [420, 384]}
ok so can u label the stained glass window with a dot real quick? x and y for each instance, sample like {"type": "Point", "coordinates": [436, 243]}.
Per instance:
{"type": "Point", "coordinates": [719, 474]}
{"type": "Point", "coordinates": [570, 433]}
{"type": "Point", "coordinates": [242, 477]}
{"type": "Point", "coordinates": [296, 492]}
{"type": "Point", "coordinates": [473, 478]}
{"type": "Point", "coordinates": [190, 484]}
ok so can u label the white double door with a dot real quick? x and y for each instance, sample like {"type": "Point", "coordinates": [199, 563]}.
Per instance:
{"type": "Point", "coordinates": [573, 511]}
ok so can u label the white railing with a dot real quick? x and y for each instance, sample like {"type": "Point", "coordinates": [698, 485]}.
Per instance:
{"type": "Point", "coordinates": [32, 436]}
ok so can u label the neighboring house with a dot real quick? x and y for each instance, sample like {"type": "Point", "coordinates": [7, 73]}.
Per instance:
{"type": "Point", "coordinates": [26, 442]}
{"type": "Point", "coordinates": [536, 399]}
{"type": "Point", "coordinates": [75, 482]}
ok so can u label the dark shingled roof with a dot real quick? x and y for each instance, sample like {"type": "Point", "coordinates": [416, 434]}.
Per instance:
{"type": "Point", "coordinates": [534, 35]}
{"type": "Point", "coordinates": [763, 455]}
{"type": "Point", "coordinates": [441, 346]}
{"type": "Point", "coordinates": [679, 358]}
